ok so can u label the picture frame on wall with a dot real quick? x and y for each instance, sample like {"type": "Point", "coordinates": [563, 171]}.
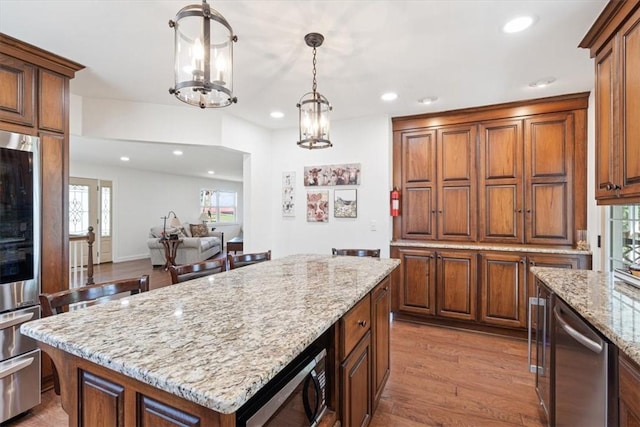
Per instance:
{"type": "Point", "coordinates": [345, 203]}
{"type": "Point", "coordinates": [318, 206]}
{"type": "Point", "coordinates": [288, 194]}
{"type": "Point", "coordinates": [332, 175]}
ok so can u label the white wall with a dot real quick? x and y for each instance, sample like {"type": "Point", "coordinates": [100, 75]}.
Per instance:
{"type": "Point", "coordinates": [141, 198]}
{"type": "Point", "coordinates": [366, 141]}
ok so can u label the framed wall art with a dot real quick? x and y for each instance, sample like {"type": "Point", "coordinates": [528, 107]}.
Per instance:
{"type": "Point", "coordinates": [345, 203]}
{"type": "Point", "coordinates": [331, 175]}
{"type": "Point", "coordinates": [318, 206]}
{"type": "Point", "coordinates": [288, 194]}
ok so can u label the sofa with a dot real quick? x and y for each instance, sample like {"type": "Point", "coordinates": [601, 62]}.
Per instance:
{"type": "Point", "coordinates": [198, 243]}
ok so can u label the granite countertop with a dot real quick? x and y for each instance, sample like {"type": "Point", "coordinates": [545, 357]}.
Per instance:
{"type": "Point", "coordinates": [217, 340]}
{"type": "Point", "coordinates": [489, 247]}
{"type": "Point", "coordinates": [610, 305]}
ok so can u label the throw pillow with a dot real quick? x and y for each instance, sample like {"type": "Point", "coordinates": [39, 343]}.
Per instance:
{"type": "Point", "coordinates": [199, 230]}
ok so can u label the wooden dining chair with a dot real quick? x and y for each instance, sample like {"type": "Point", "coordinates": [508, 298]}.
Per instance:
{"type": "Point", "coordinates": [375, 253]}
{"type": "Point", "coordinates": [59, 302]}
{"type": "Point", "coordinates": [182, 273]}
{"type": "Point", "coordinates": [237, 261]}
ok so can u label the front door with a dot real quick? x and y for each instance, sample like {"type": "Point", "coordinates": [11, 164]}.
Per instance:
{"type": "Point", "coordinates": [90, 203]}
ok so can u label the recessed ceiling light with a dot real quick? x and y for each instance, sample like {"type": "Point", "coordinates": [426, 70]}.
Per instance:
{"type": "Point", "coordinates": [211, 172]}
{"type": "Point", "coordinates": [277, 114]}
{"type": "Point", "coordinates": [389, 96]}
{"type": "Point", "coordinates": [177, 152]}
{"type": "Point", "coordinates": [125, 158]}
{"type": "Point", "coordinates": [546, 81]}
{"type": "Point", "coordinates": [518, 24]}
{"type": "Point", "coordinates": [428, 100]}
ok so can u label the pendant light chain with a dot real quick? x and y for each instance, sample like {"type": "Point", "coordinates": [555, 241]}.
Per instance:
{"type": "Point", "coordinates": [314, 70]}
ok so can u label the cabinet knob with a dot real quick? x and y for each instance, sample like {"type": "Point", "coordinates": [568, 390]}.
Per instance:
{"type": "Point", "coordinates": [528, 210]}
{"type": "Point", "coordinates": [522, 261]}
{"type": "Point", "coordinates": [362, 323]}
{"type": "Point", "coordinates": [532, 263]}
{"type": "Point", "coordinates": [440, 211]}
{"type": "Point", "coordinates": [386, 288]}
{"type": "Point", "coordinates": [519, 210]}
{"type": "Point", "coordinates": [617, 187]}
{"type": "Point", "coordinates": [609, 186]}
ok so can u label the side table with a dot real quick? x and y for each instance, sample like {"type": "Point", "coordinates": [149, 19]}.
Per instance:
{"type": "Point", "coordinates": [170, 250]}
{"type": "Point", "coordinates": [235, 245]}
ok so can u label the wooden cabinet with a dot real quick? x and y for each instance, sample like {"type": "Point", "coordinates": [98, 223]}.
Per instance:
{"type": "Point", "coordinates": [456, 184]}
{"type": "Point", "coordinates": [503, 289]}
{"type": "Point", "coordinates": [525, 180]}
{"type": "Point", "coordinates": [500, 182]}
{"type": "Point", "coordinates": [17, 94]}
{"type": "Point", "coordinates": [456, 287]}
{"type": "Point", "coordinates": [509, 174]}
{"type": "Point", "coordinates": [380, 338]}
{"type": "Point", "coordinates": [355, 373]}
{"type": "Point", "coordinates": [549, 145]}
{"type": "Point", "coordinates": [439, 283]}
{"type": "Point", "coordinates": [629, 392]}
{"type": "Point", "coordinates": [363, 354]}
{"type": "Point", "coordinates": [614, 41]}
{"type": "Point", "coordinates": [438, 175]}
{"type": "Point", "coordinates": [34, 100]}
{"type": "Point", "coordinates": [417, 281]}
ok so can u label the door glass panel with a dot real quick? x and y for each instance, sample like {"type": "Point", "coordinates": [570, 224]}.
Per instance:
{"type": "Point", "coordinates": [105, 203]}
{"type": "Point", "coordinates": [78, 209]}
{"type": "Point", "coordinates": [624, 234]}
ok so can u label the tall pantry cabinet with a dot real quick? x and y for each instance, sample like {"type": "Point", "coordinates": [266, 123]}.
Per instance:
{"type": "Point", "coordinates": [482, 191]}
{"type": "Point", "coordinates": [34, 100]}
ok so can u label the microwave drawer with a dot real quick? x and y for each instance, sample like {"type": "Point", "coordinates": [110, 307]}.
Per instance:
{"type": "Point", "coordinates": [354, 325]}
{"type": "Point", "coordinates": [19, 384]}
{"type": "Point", "coordinates": [12, 342]}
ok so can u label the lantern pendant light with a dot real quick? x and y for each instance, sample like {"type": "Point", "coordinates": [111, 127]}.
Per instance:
{"type": "Point", "coordinates": [314, 108]}
{"type": "Point", "coordinates": [203, 48]}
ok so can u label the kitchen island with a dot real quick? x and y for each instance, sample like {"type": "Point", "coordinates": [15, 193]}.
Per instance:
{"type": "Point", "coordinates": [194, 353]}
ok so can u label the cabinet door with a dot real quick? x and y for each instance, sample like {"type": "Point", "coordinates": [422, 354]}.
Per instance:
{"type": "Point", "coordinates": [53, 101]}
{"type": "Point", "coordinates": [629, 389]}
{"type": "Point", "coordinates": [606, 122]}
{"type": "Point", "coordinates": [555, 261]}
{"type": "Point", "coordinates": [500, 182]}
{"type": "Point", "coordinates": [100, 401]}
{"type": "Point", "coordinates": [457, 285]}
{"type": "Point", "coordinates": [456, 150]}
{"type": "Point", "coordinates": [417, 281]}
{"type": "Point", "coordinates": [355, 373]}
{"type": "Point", "coordinates": [629, 153]}
{"type": "Point", "coordinates": [549, 143]}
{"type": "Point", "coordinates": [503, 290]}
{"type": "Point", "coordinates": [419, 184]}
{"type": "Point", "coordinates": [17, 96]}
{"type": "Point", "coordinates": [380, 334]}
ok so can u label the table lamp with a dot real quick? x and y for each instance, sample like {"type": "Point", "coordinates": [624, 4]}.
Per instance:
{"type": "Point", "coordinates": [175, 222]}
{"type": "Point", "coordinates": [204, 218]}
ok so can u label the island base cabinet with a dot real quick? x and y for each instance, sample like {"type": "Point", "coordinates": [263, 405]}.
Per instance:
{"type": "Point", "coordinates": [355, 375]}
{"type": "Point", "coordinates": [629, 389]}
{"type": "Point", "coordinates": [380, 338]}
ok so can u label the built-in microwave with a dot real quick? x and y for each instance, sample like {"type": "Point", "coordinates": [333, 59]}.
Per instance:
{"type": "Point", "coordinates": [296, 397]}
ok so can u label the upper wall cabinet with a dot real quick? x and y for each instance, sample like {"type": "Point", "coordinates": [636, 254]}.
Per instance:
{"type": "Point", "coordinates": [16, 91]}
{"type": "Point", "coordinates": [614, 41]}
{"type": "Point", "coordinates": [511, 173]}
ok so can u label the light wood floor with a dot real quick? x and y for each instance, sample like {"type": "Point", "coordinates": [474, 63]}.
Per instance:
{"type": "Point", "coordinates": [439, 377]}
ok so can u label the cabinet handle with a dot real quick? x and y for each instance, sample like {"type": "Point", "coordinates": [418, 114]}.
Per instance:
{"type": "Point", "coordinates": [362, 323]}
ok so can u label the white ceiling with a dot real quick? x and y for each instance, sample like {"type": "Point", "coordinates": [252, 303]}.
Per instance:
{"type": "Point", "coordinates": [453, 49]}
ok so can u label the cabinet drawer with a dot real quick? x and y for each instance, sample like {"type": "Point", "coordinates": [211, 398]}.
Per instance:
{"type": "Point", "coordinates": [354, 325]}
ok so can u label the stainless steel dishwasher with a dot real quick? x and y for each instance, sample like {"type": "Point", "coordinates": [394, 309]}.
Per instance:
{"type": "Point", "coordinates": [585, 385]}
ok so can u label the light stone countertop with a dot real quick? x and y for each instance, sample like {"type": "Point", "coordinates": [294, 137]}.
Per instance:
{"type": "Point", "coordinates": [489, 247]}
{"type": "Point", "coordinates": [217, 340]}
{"type": "Point", "coordinates": [611, 306]}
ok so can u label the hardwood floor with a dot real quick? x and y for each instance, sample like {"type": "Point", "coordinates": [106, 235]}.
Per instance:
{"type": "Point", "coordinates": [440, 377]}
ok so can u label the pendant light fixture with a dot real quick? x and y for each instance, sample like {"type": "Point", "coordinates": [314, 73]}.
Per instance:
{"type": "Point", "coordinates": [203, 49]}
{"type": "Point", "coordinates": [314, 108]}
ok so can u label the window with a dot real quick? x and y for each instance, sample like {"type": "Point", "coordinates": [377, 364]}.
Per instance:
{"type": "Point", "coordinates": [219, 205]}
{"type": "Point", "coordinates": [624, 235]}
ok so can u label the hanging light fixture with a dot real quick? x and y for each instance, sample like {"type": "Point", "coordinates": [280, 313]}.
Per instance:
{"type": "Point", "coordinates": [314, 108]}
{"type": "Point", "coordinates": [203, 51]}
